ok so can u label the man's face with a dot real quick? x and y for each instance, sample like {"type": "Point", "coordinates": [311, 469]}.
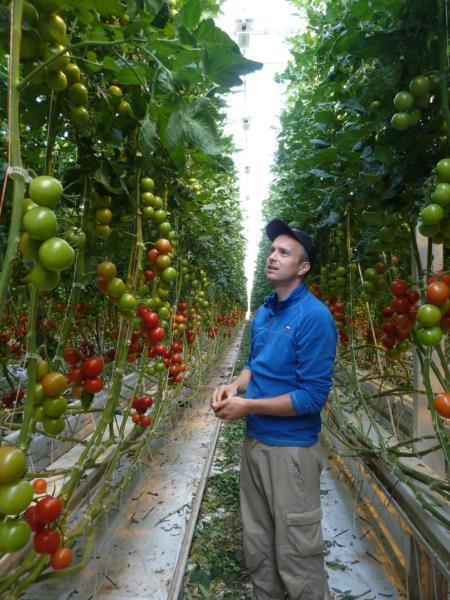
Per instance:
{"type": "Point", "coordinates": [285, 262]}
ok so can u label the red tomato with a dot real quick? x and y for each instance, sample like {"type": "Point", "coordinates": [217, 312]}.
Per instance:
{"type": "Point", "coordinates": [437, 292]}
{"type": "Point", "coordinates": [93, 366]}
{"type": "Point", "coordinates": [390, 328]}
{"type": "Point", "coordinates": [102, 286]}
{"type": "Point", "coordinates": [163, 246]}
{"type": "Point", "coordinates": [136, 418]}
{"type": "Point", "coordinates": [152, 255]}
{"type": "Point", "coordinates": [388, 342]}
{"type": "Point", "coordinates": [160, 349]}
{"type": "Point", "coordinates": [442, 404]}
{"type": "Point", "coordinates": [61, 558]}
{"type": "Point", "coordinates": [146, 421]}
{"type": "Point", "coordinates": [48, 509]}
{"type": "Point", "coordinates": [75, 375]}
{"type": "Point", "coordinates": [150, 320]}
{"type": "Point", "coordinates": [32, 518]}
{"type": "Point", "coordinates": [400, 304]}
{"type": "Point", "coordinates": [388, 312]}
{"type": "Point", "coordinates": [413, 296]}
{"type": "Point", "coordinates": [93, 384]}
{"type": "Point", "coordinates": [398, 287]}
{"type": "Point", "coordinates": [71, 357]}
{"type": "Point", "coordinates": [177, 347]}
{"type": "Point", "coordinates": [46, 541]}
{"type": "Point", "coordinates": [39, 486]}
{"type": "Point", "coordinates": [149, 275]}
{"type": "Point", "coordinates": [156, 334]}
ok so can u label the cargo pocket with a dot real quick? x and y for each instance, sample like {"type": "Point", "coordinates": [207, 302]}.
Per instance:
{"type": "Point", "coordinates": [304, 533]}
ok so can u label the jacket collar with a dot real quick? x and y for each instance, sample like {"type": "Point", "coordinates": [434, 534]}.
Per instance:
{"type": "Point", "coordinates": [276, 305]}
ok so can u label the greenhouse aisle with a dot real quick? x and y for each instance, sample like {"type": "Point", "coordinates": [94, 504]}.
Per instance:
{"type": "Point", "coordinates": [137, 551]}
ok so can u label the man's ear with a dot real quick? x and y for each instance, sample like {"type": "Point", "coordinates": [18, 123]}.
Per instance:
{"type": "Point", "coordinates": [304, 268]}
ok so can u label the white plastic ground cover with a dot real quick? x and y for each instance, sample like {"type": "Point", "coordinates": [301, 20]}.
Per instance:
{"type": "Point", "coordinates": [358, 560]}
{"type": "Point", "coordinates": [137, 548]}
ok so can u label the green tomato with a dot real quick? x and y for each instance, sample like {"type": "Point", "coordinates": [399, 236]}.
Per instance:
{"type": "Point", "coordinates": [147, 198]}
{"type": "Point", "coordinates": [78, 93]}
{"type": "Point", "coordinates": [170, 274]}
{"type": "Point", "coordinates": [430, 336]}
{"type": "Point", "coordinates": [30, 46]}
{"type": "Point", "coordinates": [158, 203]}
{"type": "Point", "coordinates": [103, 216]}
{"type": "Point", "coordinates": [14, 535]}
{"type": "Point", "coordinates": [79, 115]}
{"type": "Point", "coordinates": [401, 121]}
{"type": "Point", "coordinates": [56, 81]}
{"type": "Point", "coordinates": [147, 184]}
{"type": "Point", "coordinates": [441, 194]}
{"type": "Point", "coordinates": [415, 115]}
{"type": "Point", "coordinates": [148, 212]}
{"type": "Point", "coordinates": [404, 101]}
{"type": "Point", "coordinates": [28, 247]}
{"type": "Point", "coordinates": [432, 214]}
{"type": "Point", "coordinates": [103, 231]}
{"type": "Point", "coordinates": [59, 63]}
{"type": "Point", "coordinates": [159, 216]}
{"type": "Point", "coordinates": [15, 497]}
{"type": "Point", "coordinates": [55, 254]}
{"type": "Point", "coordinates": [443, 169]}
{"type": "Point", "coordinates": [40, 223]}
{"type": "Point", "coordinates": [45, 191]}
{"type": "Point", "coordinates": [164, 312]}
{"type": "Point", "coordinates": [428, 315]}
{"type": "Point", "coordinates": [73, 74]}
{"type": "Point", "coordinates": [44, 280]}
{"type": "Point", "coordinates": [420, 85]}
{"type": "Point", "coordinates": [370, 273]}
{"type": "Point", "coordinates": [115, 94]}
{"type": "Point", "coordinates": [166, 229]}
{"type": "Point", "coordinates": [38, 413]}
{"type": "Point", "coordinates": [53, 426]}
{"type": "Point", "coordinates": [52, 29]}
{"type": "Point", "coordinates": [116, 287]}
{"type": "Point", "coordinates": [428, 230]}
{"type": "Point", "coordinates": [13, 464]}
{"type": "Point", "coordinates": [38, 396]}
{"type": "Point", "coordinates": [55, 407]}
{"type": "Point", "coordinates": [30, 14]}
{"type": "Point", "coordinates": [127, 302]}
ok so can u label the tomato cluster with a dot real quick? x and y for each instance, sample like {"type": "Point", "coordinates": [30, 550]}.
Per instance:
{"type": "Point", "coordinates": [433, 317]}
{"type": "Point", "coordinates": [141, 405]}
{"type": "Point", "coordinates": [39, 243]}
{"type": "Point", "coordinates": [399, 318]}
{"type": "Point", "coordinates": [15, 496]}
{"type": "Point", "coordinates": [115, 288]}
{"type": "Point", "coordinates": [49, 404]}
{"type": "Point", "coordinates": [41, 518]}
{"type": "Point", "coordinates": [435, 222]}
{"type": "Point", "coordinates": [337, 309]}
{"type": "Point", "coordinates": [84, 372]}
{"type": "Point", "coordinates": [409, 103]}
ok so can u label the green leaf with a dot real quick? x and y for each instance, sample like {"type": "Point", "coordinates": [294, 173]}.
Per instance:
{"type": "Point", "coordinates": [92, 57]}
{"type": "Point", "coordinates": [105, 7]}
{"type": "Point", "coordinates": [129, 76]}
{"type": "Point", "coordinates": [223, 61]}
{"type": "Point", "coordinates": [110, 64]}
{"type": "Point", "coordinates": [190, 14]}
{"type": "Point", "coordinates": [193, 124]}
{"type": "Point", "coordinates": [163, 16]}
{"type": "Point", "coordinates": [148, 139]}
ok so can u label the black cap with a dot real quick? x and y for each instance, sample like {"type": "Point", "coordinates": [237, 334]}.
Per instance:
{"type": "Point", "coordinates": [277, 227]}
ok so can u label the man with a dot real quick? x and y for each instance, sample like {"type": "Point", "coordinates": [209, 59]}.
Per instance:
{"type": "Point", "coordinates": [287, 379]}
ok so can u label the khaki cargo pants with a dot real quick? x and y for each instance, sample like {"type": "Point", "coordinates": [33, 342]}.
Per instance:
{"type": "Point", "coordinates": [281, 514]}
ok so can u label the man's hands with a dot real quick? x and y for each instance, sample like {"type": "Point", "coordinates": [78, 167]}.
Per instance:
{"type": "Point", "coordinates": [226, 404]}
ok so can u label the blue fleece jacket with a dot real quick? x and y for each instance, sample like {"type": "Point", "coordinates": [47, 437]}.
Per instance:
{"type": "Point", "coordinates": [292, 350]}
